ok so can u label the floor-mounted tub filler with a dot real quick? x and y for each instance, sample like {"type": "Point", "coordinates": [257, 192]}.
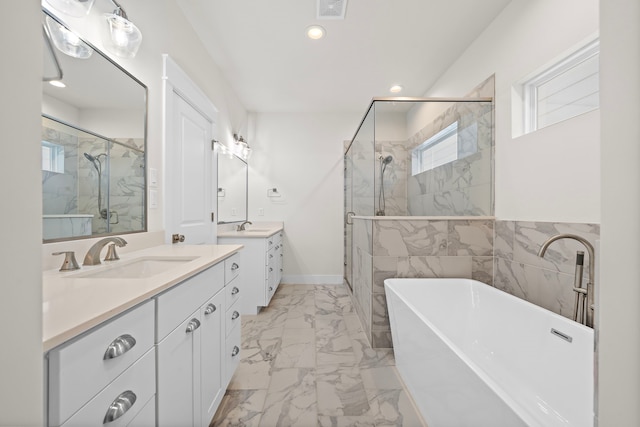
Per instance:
{"type": "Point", "coordinates": [472, 355]}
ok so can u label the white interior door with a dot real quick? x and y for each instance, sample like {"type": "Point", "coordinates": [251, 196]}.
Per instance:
{"type": "Point", "coordinates": [190, 156]}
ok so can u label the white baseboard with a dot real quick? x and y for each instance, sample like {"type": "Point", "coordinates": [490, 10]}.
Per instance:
{"type": "Point", "coordinates": [312, 279]}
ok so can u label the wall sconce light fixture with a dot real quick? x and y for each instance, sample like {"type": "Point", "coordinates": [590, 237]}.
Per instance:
{"type": "Point", "coordinates": [245, 149]}
{"type": "Point", "coordinates": [123, 38]}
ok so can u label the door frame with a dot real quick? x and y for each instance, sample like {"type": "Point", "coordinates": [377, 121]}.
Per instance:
{"type": "Point", "coordinates": [177, 82]}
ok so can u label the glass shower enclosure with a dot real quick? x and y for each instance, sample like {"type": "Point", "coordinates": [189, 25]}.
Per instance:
{"type": "Point", "coordinates": [415, 158]}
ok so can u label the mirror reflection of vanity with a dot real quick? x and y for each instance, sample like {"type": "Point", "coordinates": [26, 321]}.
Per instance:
{"type": "Point", "coordinates": [93, 142]}
{"type": "Point", "coordinates": [232, 188]}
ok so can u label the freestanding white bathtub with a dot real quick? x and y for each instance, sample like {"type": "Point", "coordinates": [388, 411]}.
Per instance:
{"type": "Point", "coordinates": [474, 356]}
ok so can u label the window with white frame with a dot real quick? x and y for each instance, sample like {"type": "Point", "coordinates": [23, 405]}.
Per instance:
{"type": "Point", "coordinates": [438, 150]}
{"type": "Point", "coordinates": [563, 90]}
{"type": "Point", "coordinates": [52, 157]}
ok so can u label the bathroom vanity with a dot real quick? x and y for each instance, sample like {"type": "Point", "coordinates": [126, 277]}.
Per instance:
{"type": "Point", "coordinates": [263, 256]}
{"type": "Point", "coordinates": [151, 339]}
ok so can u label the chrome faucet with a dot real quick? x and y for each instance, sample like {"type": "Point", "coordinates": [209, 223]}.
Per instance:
{"type": "Point", "coordinates": [588, 318]}
{"type": "Point", "coordinates": [93, 254]}
{"type": "Point", "coordinates": [241, 226]}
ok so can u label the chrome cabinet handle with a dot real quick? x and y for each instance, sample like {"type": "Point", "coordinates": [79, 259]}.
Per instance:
{"type": "Point", "coordinates": [235, 315]}
{"type": "Point", "coordinates": [235, 351]}
{"type": "Point", "coordinates": [234, 266]}
{"type": "Point", "coordinates": [271, 242]}
{"type": "Point", "coordinates": [270, 268]}
{"type": "Point", "coordinates": [270, 255]}
{"type": "Point", "coordinates": [193, 325]}
{"type": "Point", "coordinates": [210, 309]}
{"type": "Point", "coordinates": [270, 288]}
{"type": "Point", "coordinates": [120, 406]}
{"type": "Point", "coordinates": [235, 290]}
{"type": "Point", "coordinates": [119, 346]}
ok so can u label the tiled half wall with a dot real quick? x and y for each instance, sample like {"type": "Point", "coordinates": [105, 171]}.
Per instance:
{"type": "Point", "coordinates": [500, 253]}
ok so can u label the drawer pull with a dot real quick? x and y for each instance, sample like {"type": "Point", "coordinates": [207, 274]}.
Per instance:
{"type": "Point", "coordinates": [235, 351]}
{"type": "Point", "coordinates": [235, 290]}
{"type": "Point", "coordinates": [270, 255]}
{"type": "Point", "coordinates": [193, 325]}
{"type": "Point", "coordinates": [120, 406]}
{"type": "Point", "coordinates": [234, 266]}
{"type": "Point", "coordinates": [210, 309]}
{"type": "Point", "coordinates": [270, 288]}
{"type": "Point", "coordinates": [235, 315]}
{"type": "Point", "coordinates": [119, 346]}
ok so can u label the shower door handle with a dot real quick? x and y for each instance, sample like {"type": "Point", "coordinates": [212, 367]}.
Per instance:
{"type": "Point", "coordinates": [348, 217]}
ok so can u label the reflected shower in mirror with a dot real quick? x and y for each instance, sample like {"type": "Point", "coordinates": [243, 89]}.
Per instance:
{"type": "Point", "coordinates": [232, 187]}
{"type": "Point", "coordinates": [93, 140]}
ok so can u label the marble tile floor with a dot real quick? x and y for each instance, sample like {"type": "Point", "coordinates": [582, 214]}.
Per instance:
{"type": "Point", "coordinates": [306, 362]}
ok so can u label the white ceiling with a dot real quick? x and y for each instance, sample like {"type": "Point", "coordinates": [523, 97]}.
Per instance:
{"type": "Point", "coordinates": [261, 47]}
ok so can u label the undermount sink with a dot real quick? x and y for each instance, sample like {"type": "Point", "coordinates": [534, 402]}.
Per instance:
{"type": "Point", "coordinates": [138, 268]}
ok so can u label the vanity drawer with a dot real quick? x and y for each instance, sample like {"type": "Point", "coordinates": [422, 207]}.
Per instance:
{"type": "Point", "coordinates": [175, 305]}
{"type": "Point", "coordinates": [136, 385]}
{"type": "Point", "coordinates": [80, 369]}
{"type": "Point", "coordinates": [231, 268]}
{"type": "Point", "coordinates": [233, 318]}
{"type": "Point", "coordinates": [232, 353]}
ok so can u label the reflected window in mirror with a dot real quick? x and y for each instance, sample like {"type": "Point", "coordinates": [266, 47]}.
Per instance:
{"type": "Point", "coordinates": [93, 144]}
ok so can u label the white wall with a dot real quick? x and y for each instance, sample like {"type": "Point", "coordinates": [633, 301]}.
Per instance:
{"type": "Point", "coordinates": [552, 174]}
{"type": "Point", "coordinates": [302, 156]}
{"type": "Point", "coordinates": [21, 195]}
{"type": "Point", "coordinates": [618, 314]}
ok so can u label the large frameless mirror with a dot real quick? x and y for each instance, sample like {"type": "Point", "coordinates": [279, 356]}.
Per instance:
{"type": "Point", "coordinates": [232, 188]}
{"type": "Point", "coordinates": [93, 141]}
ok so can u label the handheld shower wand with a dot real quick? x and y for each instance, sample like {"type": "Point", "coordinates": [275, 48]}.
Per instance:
{"type": "Point", "coordinates": [95, 160]}
{"type": "Point", "coordinates": [384, 161]}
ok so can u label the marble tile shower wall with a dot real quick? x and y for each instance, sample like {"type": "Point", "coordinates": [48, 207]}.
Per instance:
{"type": "Point", "coordinates": [414, 248]}
{"type": "Point", "coordinates": [122, 180]}
{"type": "Point", "coordinates": [462, 187]}
{"type": "Point", "coordinates": [395, 177]}
{"type": "Point", "coordinates": [548, 281]}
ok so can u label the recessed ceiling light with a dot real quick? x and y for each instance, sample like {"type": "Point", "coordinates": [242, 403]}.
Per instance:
{"type": "Point", "coordinates": [57, 83]}
{"type": "Point", "coordinates": [395, 89]}
{"type": "Point", "coordinates": [315, 32]}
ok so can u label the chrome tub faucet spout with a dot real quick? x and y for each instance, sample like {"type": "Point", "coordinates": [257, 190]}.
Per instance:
{"type": "Point", "coordinates": [587, 311]}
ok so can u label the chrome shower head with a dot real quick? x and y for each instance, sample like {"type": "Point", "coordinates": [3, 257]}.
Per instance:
{"type": "Point", "coordinates": [386, 160]}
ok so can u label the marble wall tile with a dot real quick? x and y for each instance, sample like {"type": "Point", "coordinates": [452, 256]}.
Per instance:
{"type": "Point", "coordinates": [446, 266]}
{"type": "Point", "coordinates": [383, 268]}
{"type": "Point", "coordinates": [482, 269]}
{"type": "Point", "coordinates": [406, 238]}
{"type": "Point", "coordinates": [510, 277]}
{"type": "Point", "coordinates": [471, 238]}
{"type": "Point", "coordinates": [381, 339]}
{"type": "Point", "coordinates": [561, 255]}
{"type": "Point", "coordinates": [380, 313]}
{"type": "Point", "coordinates": [504, 238]}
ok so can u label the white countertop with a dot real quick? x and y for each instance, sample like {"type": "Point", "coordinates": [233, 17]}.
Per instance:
{"type": "Point", "coordinates": [253, 231]}
{"type": "Point", "coordinates": [73, 304]}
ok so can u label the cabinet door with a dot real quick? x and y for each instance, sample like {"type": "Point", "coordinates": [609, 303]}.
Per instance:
{"type": "Point", "coordinates": [178, 366]}
{"type": "Point", "coordinates": [211, 339]}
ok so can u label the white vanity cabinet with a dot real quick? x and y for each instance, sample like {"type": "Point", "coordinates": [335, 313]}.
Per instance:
{"type": "Point", "coordinates": [165, 362]}
{"type": "Point", "coordinates": [263, 258]}
{"type": "Point", "coordinates": [111, 366]}
{"type": "Point", "coordinates": [189, 338]}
